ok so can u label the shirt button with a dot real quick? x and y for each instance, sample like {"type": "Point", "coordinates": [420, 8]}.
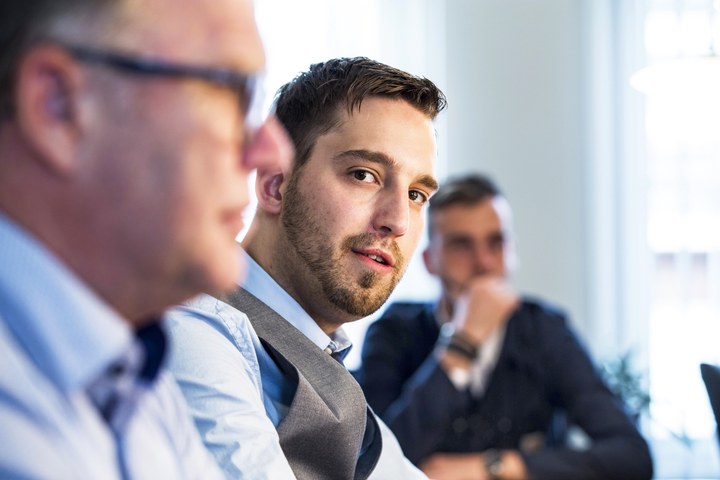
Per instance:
{"type": "Point", "coordinates": [328, 350]}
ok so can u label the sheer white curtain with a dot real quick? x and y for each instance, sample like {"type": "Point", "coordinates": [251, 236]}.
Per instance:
{"type": "Point", "coordinates": [657, 217]}
{"type": "Point", "coordinates": [683, 229]}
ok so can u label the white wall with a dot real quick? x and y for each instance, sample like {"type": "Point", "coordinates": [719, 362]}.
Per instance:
{"type": "Point", "coordinates": [515, 88]}
{"type": "Point", "coordinates": [515, 75]}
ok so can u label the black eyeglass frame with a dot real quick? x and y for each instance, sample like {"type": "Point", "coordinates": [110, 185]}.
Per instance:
{"type": "Point", "coordinates": [243, 85]}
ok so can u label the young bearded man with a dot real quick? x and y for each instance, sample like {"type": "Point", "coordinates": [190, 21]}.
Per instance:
{"type": "Point", "coordinates": [329, 242]}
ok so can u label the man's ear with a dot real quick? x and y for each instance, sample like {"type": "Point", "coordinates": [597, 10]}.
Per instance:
{"type": "Point", "coordinates": [268, 189]}
{"type": "Point", "coordinates": [45, 103]}
{"type": "Point", "coordinates": [428, 260]}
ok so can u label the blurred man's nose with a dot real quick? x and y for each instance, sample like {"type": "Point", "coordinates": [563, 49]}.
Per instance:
{"type": "Point", "coordinates": [484, 259]}
{"type": "Point", "coordinates": [270, 148]}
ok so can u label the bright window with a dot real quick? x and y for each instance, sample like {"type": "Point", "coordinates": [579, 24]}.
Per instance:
{"type": "Point", "coordinates": [682, 145]}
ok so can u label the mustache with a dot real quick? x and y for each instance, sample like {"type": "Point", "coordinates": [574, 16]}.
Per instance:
{"type": "Point", "coordinates": [365, 240]}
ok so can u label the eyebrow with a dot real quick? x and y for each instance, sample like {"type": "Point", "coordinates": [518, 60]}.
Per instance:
{"type": "Point", "coordinates": [378, 157]}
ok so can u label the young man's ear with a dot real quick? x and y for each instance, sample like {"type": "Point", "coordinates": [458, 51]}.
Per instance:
{"type": "Point", "coordinates": [268, 189]}
{"type": "Point", "coordinates": [45, 105]}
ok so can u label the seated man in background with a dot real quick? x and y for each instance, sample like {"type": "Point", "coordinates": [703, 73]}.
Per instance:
{"type": "Point", "coordinates": [474, 384]}
{"type": "Point", "coordinates": [329, 242]}
{"type": "Point", "coordinates": [123, 176]}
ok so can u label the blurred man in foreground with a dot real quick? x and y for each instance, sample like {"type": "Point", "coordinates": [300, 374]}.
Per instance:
{"type": "Point", "coordinates": [124, 155]}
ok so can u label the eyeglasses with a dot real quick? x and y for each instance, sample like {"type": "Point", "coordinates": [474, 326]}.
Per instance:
{"type": "Point", "coordinates": [245, 87]}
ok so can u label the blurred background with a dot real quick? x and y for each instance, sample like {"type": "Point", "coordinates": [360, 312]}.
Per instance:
{"type": "Point", "coordinates": [615, 186]}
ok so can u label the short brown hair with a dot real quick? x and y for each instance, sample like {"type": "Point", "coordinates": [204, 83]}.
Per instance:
{"type": "Point", "coordinates": [467, 190]}
{"type": "Point", "coordinates": [24, 22]}
{"type": "Point", "coordinates": [308, 106]}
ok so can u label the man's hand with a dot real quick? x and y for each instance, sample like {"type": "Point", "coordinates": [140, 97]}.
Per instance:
{"type": "Point", "coordinates": [471, 466]}
{"type": "Point", "coordinates": [454, 466]}
{"type": "Point", "coordinates": [486, 305]}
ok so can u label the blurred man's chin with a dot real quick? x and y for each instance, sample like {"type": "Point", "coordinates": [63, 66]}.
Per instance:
{"type": "Point", "coordinates": [225, 274]}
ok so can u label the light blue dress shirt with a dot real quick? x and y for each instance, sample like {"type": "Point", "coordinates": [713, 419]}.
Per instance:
{"type": "Point", "coordinates": [237, 394]}
{"type": "Point", "coordinates": [76, 397]}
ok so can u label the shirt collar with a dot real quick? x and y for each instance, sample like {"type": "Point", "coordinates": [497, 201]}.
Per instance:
{"type": "Point", "coordinates": [259, 283]}
{"type": "Point", "coordinates": [66, 329]}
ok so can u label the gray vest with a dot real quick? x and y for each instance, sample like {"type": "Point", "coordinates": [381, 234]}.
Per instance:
{"type": "Point", "coordinates": [328, 422]}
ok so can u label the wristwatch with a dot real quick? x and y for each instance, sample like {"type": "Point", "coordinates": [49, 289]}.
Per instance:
{"type": "Point", "coordinates": [457, 342]}
{"type": "Point", "coordinates": [493, 463]}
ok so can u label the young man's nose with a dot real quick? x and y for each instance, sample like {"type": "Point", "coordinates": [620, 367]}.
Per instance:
{"type": "Point", "coordinates": [392, 217]}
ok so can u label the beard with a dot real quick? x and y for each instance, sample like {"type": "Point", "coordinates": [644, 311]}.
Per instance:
{"type": "Point", "coordinates": [314, 247]}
